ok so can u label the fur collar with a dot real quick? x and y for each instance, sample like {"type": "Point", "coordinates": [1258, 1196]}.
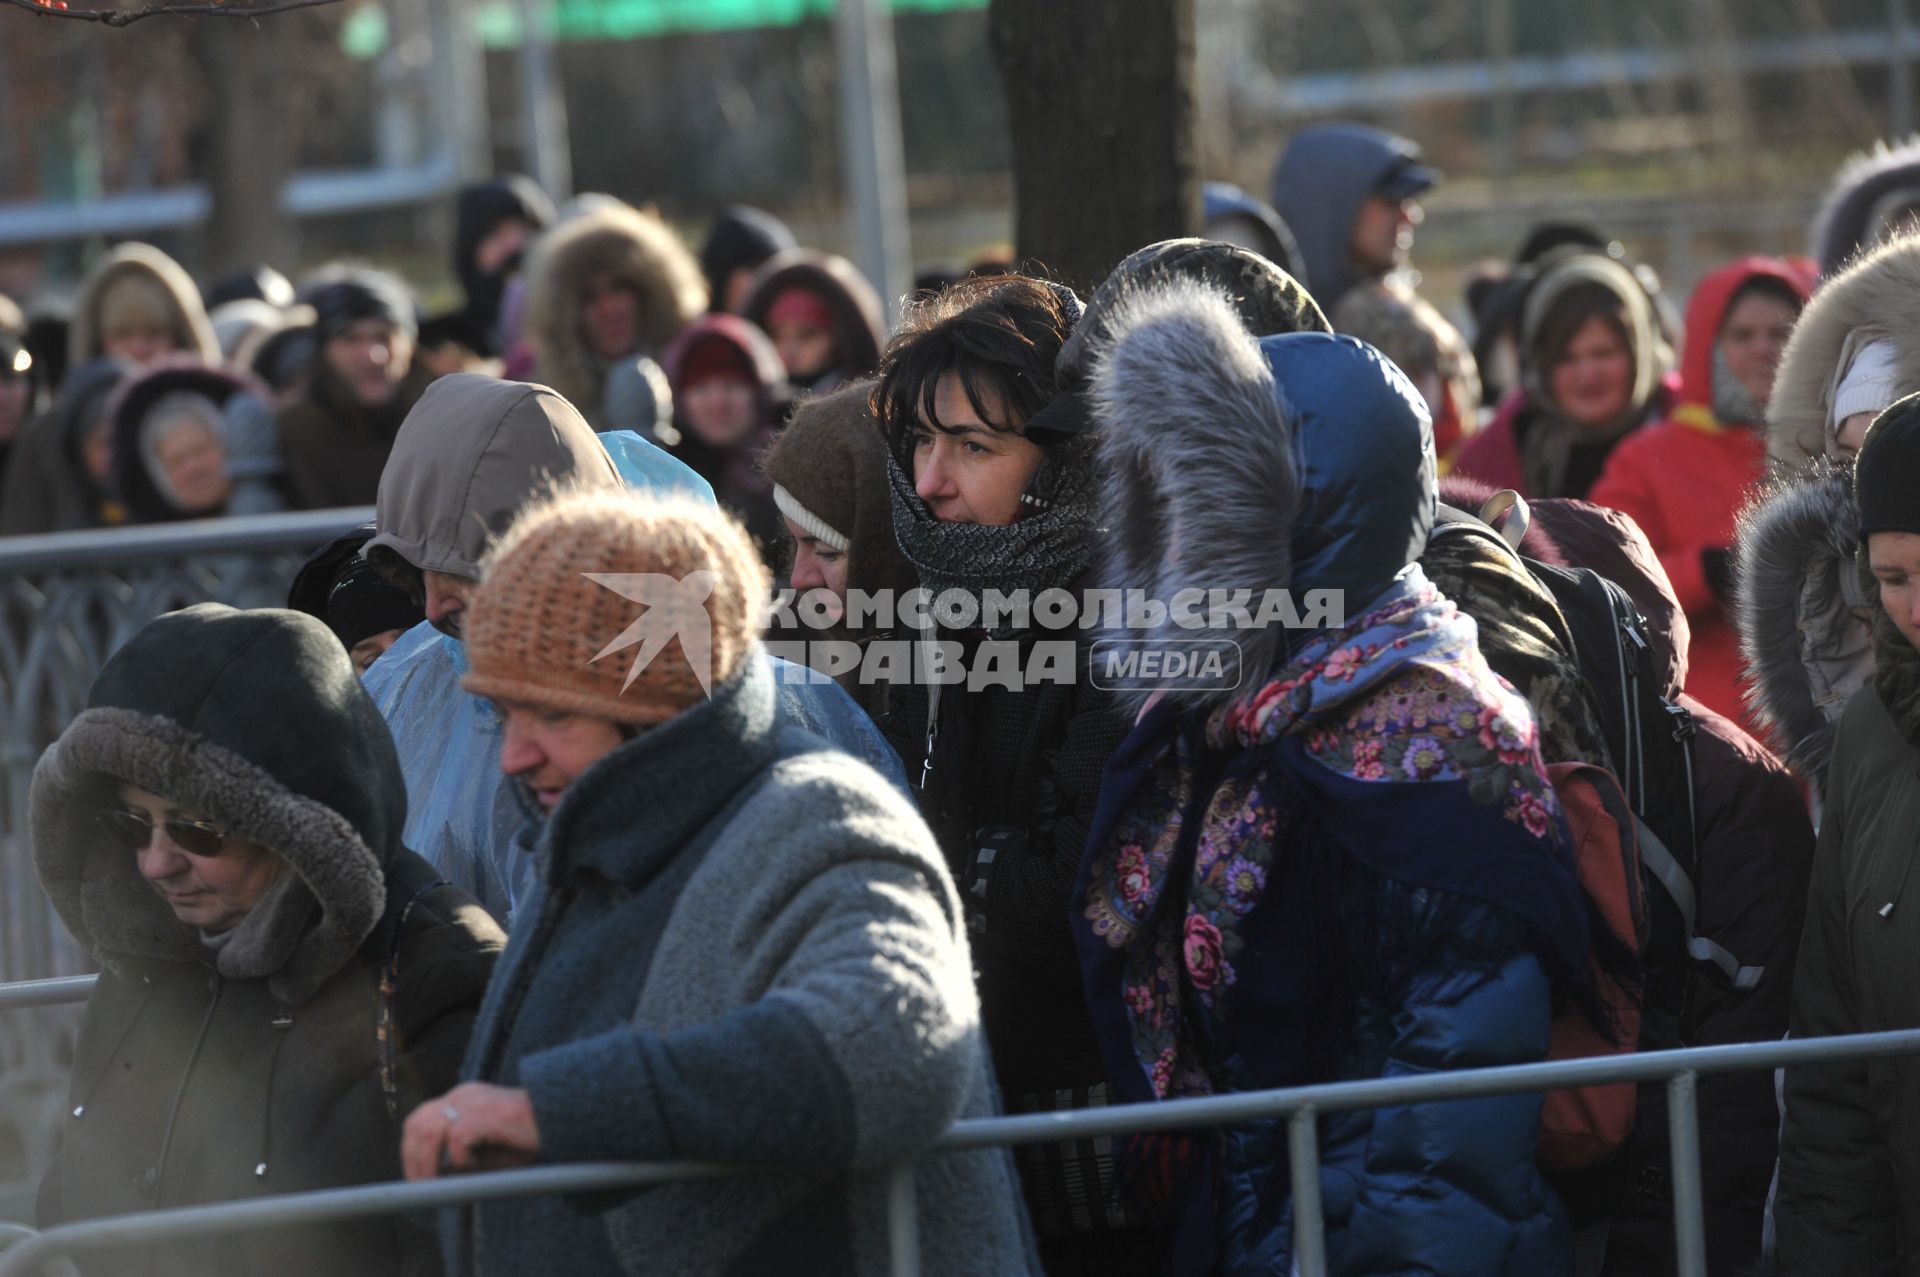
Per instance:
{"type": "Point", "coordinates": [1877, 296]}
{"type": "Point", "coordinates": [305, 930]}
{"type": "Point", "coordinates": [1795, 606]}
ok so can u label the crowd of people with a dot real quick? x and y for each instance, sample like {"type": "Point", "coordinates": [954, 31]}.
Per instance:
{"type": "Point", "coordinates": [1588, 721]}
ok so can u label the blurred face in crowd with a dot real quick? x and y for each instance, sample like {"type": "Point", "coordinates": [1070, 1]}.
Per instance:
{"type": "Point", "coordinates": [1592, 380]}
{"type": "Point", "coordinates": [1853, 432]}
{"type": "Point", "coordinates": [966, 470]}
{"type": "Point", "coordinates": [806, 350]}
{"type": "Point", "coordinates": [547, 750]}
{"type": "Point", "coordinates": [610, 316]}
{"type": "Point", "coordinates": [96, 450]}
{"type": "Point", "coordinates": [818, 566]}
{"type": "Point", "coordinates": [137, 342]}
{"type": "Point", "coordinates": [1895, 560]}
{"type": "Point", "coordinates": [1383, 234]}
{"type": "Point", "coordinates": [506, 241]}
{"type": "Point", "coordinates": [721, 410]}
{"type": "Point", "coordinates": [372, 648]}
{"type": "Point", "coordinates": [211, 891]}
{"type": "Point", "coordinates": [195, 462]}
{"type": "Point", "coordinates": [447, 597]}
{"type": "Point", "coordinates": [372, 357]}
{"type": "Point", "coordinates": [1752, 337]}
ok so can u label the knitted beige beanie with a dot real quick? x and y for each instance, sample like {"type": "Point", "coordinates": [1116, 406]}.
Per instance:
{"type": "Point", "coordinates": [617, 605]}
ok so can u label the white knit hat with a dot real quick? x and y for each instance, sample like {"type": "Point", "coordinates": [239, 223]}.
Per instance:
{"type": "Point", "coordinates": [1868, 384]}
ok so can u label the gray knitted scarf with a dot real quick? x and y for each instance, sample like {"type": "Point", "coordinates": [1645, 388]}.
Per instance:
{"type": "Point", "coordinates": [1050, 547]}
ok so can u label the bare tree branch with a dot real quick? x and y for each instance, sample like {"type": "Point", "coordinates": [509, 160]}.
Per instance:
{"type": "Point", "coordinates": [127, 17]}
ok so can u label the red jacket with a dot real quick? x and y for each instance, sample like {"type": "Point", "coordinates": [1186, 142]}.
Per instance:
{"type": "Point", "coordinates": [1684, 480]}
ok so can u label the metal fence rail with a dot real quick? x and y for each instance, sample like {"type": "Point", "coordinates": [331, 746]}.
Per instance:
{"type": "Point", "coordinates": [67, 603]}
{"type": "Point", "coordinates": [1301, 1106]}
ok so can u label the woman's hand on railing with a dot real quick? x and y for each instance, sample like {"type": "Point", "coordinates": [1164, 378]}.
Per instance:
{"type": "Point", "coordinates": [473, 1127]}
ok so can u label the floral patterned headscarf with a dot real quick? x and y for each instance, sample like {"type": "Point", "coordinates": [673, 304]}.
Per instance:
{"type": "Point", "coordinates": [1423, 764]}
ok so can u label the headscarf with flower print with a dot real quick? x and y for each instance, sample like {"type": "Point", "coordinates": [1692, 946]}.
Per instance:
{"type": "Point", "coordinates": [1391, 731]}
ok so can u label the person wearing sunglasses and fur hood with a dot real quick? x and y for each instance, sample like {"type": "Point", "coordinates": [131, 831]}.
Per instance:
{"type": "Point", "coordinates": [282, 981]}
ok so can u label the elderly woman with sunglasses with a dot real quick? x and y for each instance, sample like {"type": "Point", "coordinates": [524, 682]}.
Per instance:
{"type": "Point", "coordinates": [281, 980]}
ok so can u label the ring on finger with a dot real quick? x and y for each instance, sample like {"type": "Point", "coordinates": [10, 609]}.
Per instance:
{"type": "Point", "coordinates": [451, 1113]}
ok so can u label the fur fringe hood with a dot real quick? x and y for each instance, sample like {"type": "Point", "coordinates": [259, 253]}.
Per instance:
{"type": "Point", "coordinates": [254, 719]}
{"type": "Point", "coordinates": [1235, 466]}
{"type": "Point", "coordinates": [1844, 225]}
{"type": "Point", "coordinates": [1198, 454]}
{"type": "Point", "coordinates": [1800, 610]}
{"type": "Point", "coordinates": [1878, 296]}
{"type": "Point", "coordinates": [640, 250]}
{"type": "Point", "coordinates": [192, 331]}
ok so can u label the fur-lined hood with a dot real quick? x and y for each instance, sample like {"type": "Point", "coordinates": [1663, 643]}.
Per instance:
{"type": "Point", "coordinates": [1302, 461]}
{"type": "Point", "coordinates": [257, 720]}
{"type": "Point", "coordinates": [640, 250]}
{"type": "Point", "coordinates": [859, 317]}
{"type": "Point", "coordinates": [1878, 296]}
{"type": "Point", "coordinates": [192, 331]}
{"type": "Point", "coordinates": [1800, 609]}
{"type": "Point", "coordinates": [1853, 216]}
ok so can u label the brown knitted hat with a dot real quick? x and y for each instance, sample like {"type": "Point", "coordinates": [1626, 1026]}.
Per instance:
{"type": "Point", "coordinates": [589, 605]}
{"type": "Point", "coordinates": [829, 471]}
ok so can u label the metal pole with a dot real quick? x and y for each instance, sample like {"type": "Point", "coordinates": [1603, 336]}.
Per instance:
{"type": "Point", "coordinates": [1899, 70]}
{"type": "Point", "coordinates": [46, 993]}
{"type": "Point", "coordinates": [460, 88]}
{"type": "Point", "coordinates": [870, 144]}
{"type": "Point", "coordinates": [1303, 1162]}
{"type": "Point", "coordinates": [903, 1222]}
{"type": "Point", "coordinates": [543, 103]}
{"type": "Point", "coordinates": [1683, 1136]}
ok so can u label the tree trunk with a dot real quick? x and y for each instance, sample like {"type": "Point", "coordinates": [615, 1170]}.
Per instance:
{"type": "Point", "coordinates": [1101, 99]}
{"type": "Point", "coordinates": [252, 144]}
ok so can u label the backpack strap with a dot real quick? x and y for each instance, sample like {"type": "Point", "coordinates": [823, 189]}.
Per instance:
{"type": "Point", "coordinates": [1667, 871]}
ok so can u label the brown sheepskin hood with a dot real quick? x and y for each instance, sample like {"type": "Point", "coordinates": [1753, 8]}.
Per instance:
{"type": "Point", "coordinates": [257, 721]}
{"type": "Point", "coordinates": [192, 331]}
{"type": "Point", "coordinates": [1878, 296]}
{"type": "Point", "coordinates": [637, 248]}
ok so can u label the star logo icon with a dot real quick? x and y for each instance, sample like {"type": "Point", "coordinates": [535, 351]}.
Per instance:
{"type": "Point", "coordinates": [676, 607]}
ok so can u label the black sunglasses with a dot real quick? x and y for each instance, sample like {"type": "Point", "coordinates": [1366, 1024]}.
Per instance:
{"type": "Point", "coordinates": [134, 831]}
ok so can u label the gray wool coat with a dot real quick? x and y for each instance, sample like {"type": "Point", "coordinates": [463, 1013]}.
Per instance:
{"type": "Point", "coordinates": [744, 948]}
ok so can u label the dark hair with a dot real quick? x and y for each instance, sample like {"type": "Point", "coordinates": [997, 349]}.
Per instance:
{"type": "Point", "coordinates": [1000, 335]}
{"type": "Point", "coordinates": [1569, 313]}
{"type": "Point", "coordinates": [1763, 286]}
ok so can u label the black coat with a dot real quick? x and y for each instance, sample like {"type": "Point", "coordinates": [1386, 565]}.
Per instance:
{"type": "Point", "coordinates": [206, 1075]}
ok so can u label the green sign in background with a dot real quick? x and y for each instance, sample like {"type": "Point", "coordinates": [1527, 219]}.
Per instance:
{"type": "Point", "coordinates": [365, 32]}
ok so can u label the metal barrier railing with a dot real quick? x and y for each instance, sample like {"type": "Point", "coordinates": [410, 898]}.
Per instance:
{"type": "Point", "coordinates": [68, 601]}
{"type": "Point", "coordinates": [1301, 1106]}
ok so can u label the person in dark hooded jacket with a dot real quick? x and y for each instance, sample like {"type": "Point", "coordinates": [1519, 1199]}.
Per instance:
{"type": "Point", "coordinates": [729, 391]}
{"type": "Point", "coordinates": [1751, 860]}
{"type": "Point", "coordinates": [335, 438]}
{"type": "Point", "coordinates": [282, 980]}
{"type": "Point", "coordinates": [1849, 1198]}
{"type": "Point", "coordinates": [738, 244]}
{"type": "Point", "coordinates": [365, 611]}
{"type": "Point", "coordinates": [1234, 217]}
{"type": "Point", "coordinates": [825, 319]}
{"type": "Point", "coordinates": [170, 441]}
{"type": "Point", "coordinates": [495, 222]}
{"type": "Point", "coordinates": [59, 477]}
{"type": "Point", "coordinates": [1874, 197]}
{"type": "Point", "coordinates": [1348, 191]}
{"type": "Point", "coordinates": [1804, 618]}
{"type": "Point", "coordinates": [1369, 888]}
